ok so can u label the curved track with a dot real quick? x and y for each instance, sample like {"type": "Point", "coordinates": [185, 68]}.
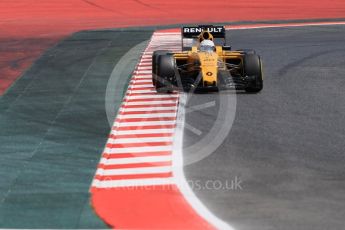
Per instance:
{"type": "Point", "coordinates": [286, 145]}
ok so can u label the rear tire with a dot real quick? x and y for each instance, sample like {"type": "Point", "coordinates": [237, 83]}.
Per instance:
{"type": "Point", "coordinates": [253, 73]}
{"type": "Point", "coordinates": [155, 57]}
{"type": "Point", "coordinates": [165, 74]}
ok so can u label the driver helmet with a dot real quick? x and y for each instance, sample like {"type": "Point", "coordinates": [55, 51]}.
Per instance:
{"type": "Point", "coordinates": [207, 45]}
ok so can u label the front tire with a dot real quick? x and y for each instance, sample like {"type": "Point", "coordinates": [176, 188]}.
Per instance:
{"type": "Point", "coordinates": [253, 73]}
{"type": "Point", "coordinates": [165, 74]}
{"type": "Point", "coordinates": [155, 57]}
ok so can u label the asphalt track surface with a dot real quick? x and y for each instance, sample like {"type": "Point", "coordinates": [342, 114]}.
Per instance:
{"type": "Point", "coordinates": [286, 144]}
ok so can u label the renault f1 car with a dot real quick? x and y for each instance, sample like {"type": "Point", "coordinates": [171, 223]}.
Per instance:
{"type": "Point", "coordinates": [206, 62]}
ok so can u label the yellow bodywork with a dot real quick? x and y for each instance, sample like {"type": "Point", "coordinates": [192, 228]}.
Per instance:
{"type": "Point", "coordinates": [208, 63]}
{"type": "Point", "coordinates": [209, 67]}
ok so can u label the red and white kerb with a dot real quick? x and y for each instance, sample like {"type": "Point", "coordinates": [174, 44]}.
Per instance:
{"type": "Point", "coordinates": [134, 185]}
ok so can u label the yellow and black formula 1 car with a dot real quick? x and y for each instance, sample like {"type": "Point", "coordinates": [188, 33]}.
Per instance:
{"type": "Point", "coordinates": [207, 63]}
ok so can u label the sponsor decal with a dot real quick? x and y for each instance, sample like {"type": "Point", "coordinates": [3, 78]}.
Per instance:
{"type": "Point", "coordinates": [218, 29]}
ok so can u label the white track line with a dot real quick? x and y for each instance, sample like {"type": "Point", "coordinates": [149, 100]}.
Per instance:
{"type": "Point", "coordinates": [282, 25]}
{"type": "Point", "coordinates": [134, 160]}
{"type": "Point", "coordinates": [138, 149]}
{"type": "Point", "coordinates": [148, 115]}
{"type": "Point", "coordinates": [142, 91]}
{"type": "Point", "coordinates": [143, 123]}
{"type": "Point", "coordinates": [135, 86]}
{"type": "Point", "coordinates": [148, 109]}
{"type": "Point", "coordinates": [151, 96]}
{"type": "Point", "coordinates": [143, 72]}
{"type": "Point", "coordinates": [133, 171]}
{"type": "Point", "coordinates": [151, 102]}
{"type": "Point", "coordinates": [139, 140]}
{"type": "Point", "coordinates": [142, 131]}
{"type": "Point", "coordinates": [180, 178]}
{"type": "Point", "coordinates": [132, 182]}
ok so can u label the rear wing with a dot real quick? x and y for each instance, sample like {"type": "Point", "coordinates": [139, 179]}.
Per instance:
{"type": "Point", "coordinates": [191, 33]}
{"type": "Point", "coordinates": [194, 31]}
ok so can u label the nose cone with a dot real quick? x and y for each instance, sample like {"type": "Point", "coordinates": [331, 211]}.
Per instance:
{"type": "Point", "coordinates": [209, 68]}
